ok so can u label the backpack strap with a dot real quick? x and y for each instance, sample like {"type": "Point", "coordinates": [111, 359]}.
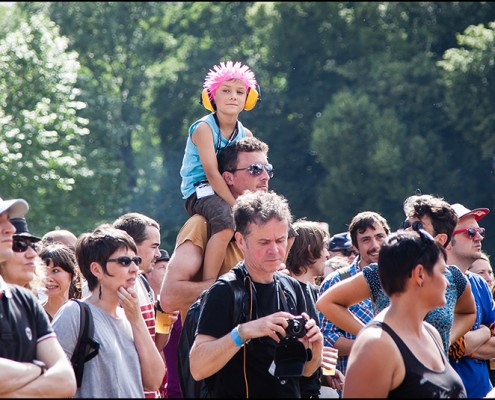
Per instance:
{"type": "Point", "coordinates": [236, 279]}
{"type": "Point", "coordinates": [151, 294]}
{"type": "Point", "coordinates": [289, 296]}
{"type": "Point", "coordinates": [86, 348]}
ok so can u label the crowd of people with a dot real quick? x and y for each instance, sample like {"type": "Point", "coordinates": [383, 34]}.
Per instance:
{"type": "Point", "coordinates": [370, 312]}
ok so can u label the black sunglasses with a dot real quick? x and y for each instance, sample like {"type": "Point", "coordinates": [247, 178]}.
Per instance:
{"type": "Point", "coordinates": [257, 169]}
{"type": "Point", "coordinates": [416, 225]}
{"type": "Point", "coordinates": [126, 261]}
{"type": "Point", "coordinates": [471, 232]}
{"type": "Point", "coordinates": [348, 252]}
{"type": "Point", "coordinates": [20, 246]}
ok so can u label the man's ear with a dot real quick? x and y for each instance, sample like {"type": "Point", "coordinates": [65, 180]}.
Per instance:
{"type": "Point", "coordinates": [228, 177]}
{"type": "Point", "coordinates": [239, 239]}
{"type": "Point", "coordinates": [441, 238]}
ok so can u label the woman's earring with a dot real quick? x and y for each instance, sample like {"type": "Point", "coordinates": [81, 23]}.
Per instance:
{"type": "Point", "coordinates": [99, 295]}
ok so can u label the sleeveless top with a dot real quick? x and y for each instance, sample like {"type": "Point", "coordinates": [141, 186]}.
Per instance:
{"type": "Point", "coordinates": [192, 170]}
{"type": "Point", "coordinates": [420, 381]}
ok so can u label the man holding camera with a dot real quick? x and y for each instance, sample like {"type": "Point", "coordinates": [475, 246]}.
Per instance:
{"type": "Point", "coordinates": [279, 342]}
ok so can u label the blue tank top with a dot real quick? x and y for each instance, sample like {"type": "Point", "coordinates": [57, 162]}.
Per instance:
{"type": "Point", "coordinates": [192, 170]}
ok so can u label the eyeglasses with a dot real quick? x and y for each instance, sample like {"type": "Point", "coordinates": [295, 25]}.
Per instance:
{"type": "Point", "coordinates": [471, 232]}
{"type": "Point", "coordinates": [126, 261]}
{"type": "Point", "coordinates": [21, 246]}
{"type": "Point", "coordinates": [257, 169]}
{"type": "Point", "coordinates": [416, 225]}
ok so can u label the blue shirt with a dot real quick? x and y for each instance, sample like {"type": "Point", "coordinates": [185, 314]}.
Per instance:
{"type": "Point", "coordinates": [474, 372]}
{"type": "Point", "coordinates": [363, 311]}
{"type": "Point", "coordinates": [192, 170]}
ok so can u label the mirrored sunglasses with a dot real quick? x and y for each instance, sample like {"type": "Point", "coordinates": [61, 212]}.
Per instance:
{"type": "Point", "coordinates": [257, 169]}
{"type": "Point", "coordinates": [126, 261]}
{"type": "Point", "coordinates": [471, 232]}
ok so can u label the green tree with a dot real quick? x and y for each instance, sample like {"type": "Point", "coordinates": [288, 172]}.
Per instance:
{"type": "Point", "coordinates": [469, 77]}
{"type": "Point", "coordinates": [363, 148]}
{"type": "Point", "coordinates": [41, 130]}
{"type": "Point", "coordinates": [109, 38]}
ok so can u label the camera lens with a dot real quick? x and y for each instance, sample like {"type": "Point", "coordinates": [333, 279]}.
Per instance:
{"type": "Point", "coordinates": [296, 327]}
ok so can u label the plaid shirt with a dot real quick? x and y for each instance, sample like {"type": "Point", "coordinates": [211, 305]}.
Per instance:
{"type": "Point", "coordinates": [363, 311]}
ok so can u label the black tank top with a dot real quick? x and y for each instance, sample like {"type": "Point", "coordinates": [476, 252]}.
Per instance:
{"type": "Point", "coordinates": [420, 381]}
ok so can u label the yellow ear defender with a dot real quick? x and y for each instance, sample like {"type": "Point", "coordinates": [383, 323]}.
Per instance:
{"type": "Point", "coordinates": [252, 98]}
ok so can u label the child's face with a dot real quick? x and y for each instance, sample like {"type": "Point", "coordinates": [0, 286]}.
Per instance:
{"type": "Point", "coordinates": [231, 95]}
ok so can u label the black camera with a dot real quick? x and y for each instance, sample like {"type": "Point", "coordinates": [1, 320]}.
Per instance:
{"type": "Point", "coordinates": [296, 328]}
{"type": "Point", "coordinates": [290, 354]}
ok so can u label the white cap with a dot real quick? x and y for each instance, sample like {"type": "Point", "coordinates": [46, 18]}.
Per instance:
{"type": "Point", "coordinates": [462, 211]}
{"type": "Point", "coordinates": [17, 208]}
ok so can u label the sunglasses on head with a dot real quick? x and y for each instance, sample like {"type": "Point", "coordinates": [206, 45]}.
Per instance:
{"type": "Point", "coordinates": [257, 169]}
{"type": "Point", "coordinates": [20, 246]}
{"type": "Point", "coordinates": [471, 232]}
{"type": "Point", "coordinates": [416, 225]}
{"type": "Point", "coordinates": [126, 261]}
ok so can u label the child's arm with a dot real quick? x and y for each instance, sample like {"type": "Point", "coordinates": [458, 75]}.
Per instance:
{"type": "Point", "coordinates": [202, 138]}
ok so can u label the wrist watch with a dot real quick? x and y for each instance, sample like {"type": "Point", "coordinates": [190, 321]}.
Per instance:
{"type": "Point", "coordinates": [40, 364]}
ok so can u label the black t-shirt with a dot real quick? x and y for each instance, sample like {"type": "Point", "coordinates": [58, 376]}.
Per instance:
{"type": "Point", "coordinates": [217, 320]}
{"type": "Point", "coordinates": [23, 323]}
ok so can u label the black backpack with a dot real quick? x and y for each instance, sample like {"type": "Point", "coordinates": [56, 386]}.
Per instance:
{"type": "Point", "coordinates": [189, 386]}
{"type": "Point", "coordinates": [86, 347]}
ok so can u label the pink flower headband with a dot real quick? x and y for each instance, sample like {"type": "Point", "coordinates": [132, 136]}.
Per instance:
{"type": "Point", "coordinates": [226, 72]}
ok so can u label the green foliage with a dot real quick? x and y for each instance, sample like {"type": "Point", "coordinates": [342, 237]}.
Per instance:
{"type": "Point", "coordinates": [362, 148]}
{"type": "Point", "coordinates": [362, 104]}
{"type": "Point", "coordinates": [469, 78]}
{"type": "Point", "coordinates": [41, 130]}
